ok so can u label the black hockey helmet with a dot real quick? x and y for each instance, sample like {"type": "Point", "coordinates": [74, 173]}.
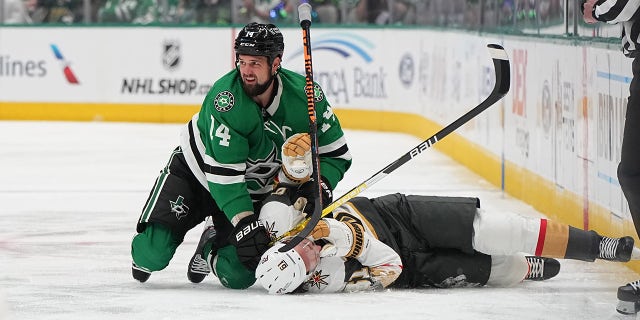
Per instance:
{"type": "Point", "coordinates": [259, 39]}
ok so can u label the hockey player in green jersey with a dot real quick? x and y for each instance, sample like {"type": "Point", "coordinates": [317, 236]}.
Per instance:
{"type": "Point", "coordinates": [229, 158]}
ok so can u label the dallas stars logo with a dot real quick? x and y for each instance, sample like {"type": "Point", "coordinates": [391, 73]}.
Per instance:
{"type": "Point", "coordinates": [317, 279]}
{"type": "Point", "coordinates": [318, 95]}
{"type": "Point", "coordinates": [224, 101]}
{"type": "Point", "coordinates": [179, 208]}
{"type": "Point", "coordinates": [262, 171]}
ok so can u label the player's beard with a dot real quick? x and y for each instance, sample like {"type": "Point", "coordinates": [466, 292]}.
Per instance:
{"type": "Point", "coordinates": [255, 90]}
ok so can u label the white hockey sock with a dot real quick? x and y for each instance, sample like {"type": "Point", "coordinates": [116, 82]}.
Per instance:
{"type": "Point", "coordinates": [504, 233]}
{"type": "Point", "coordinates": [507, 271]}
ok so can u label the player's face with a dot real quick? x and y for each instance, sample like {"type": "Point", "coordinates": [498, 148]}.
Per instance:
{"type": "Point", "coordinates": [310, 253]}
{"type": "Point", "coordinates": [257, 73]}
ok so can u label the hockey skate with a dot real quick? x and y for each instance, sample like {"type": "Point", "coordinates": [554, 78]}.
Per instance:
{"type": "Point", "coordinates": [541, 268]}
{"type": "Point", "coordinates": [198, 267]}
{"type": "Point", "coordinates": [629, 298]}
{"type": "Point", "coordinates": [615, 249]}
{"type": "Point", "coordinates": [139, 273]}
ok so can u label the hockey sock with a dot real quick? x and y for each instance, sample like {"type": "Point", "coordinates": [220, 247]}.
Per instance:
{"type": "Point", "coordinates": [507, 271]}
{"type": "Point", "coordinates": [558, 240]}
{"type": "Point", "coordinates": [502, 233]}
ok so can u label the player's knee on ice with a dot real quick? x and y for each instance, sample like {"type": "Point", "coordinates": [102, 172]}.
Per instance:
{"type": "Point", "coordinates": [154, 247]}
{"type": "Point", "coordinates": [231, 272]}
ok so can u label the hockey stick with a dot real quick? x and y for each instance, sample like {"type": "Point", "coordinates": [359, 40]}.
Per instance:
{"type": "Point", "coordinates": [500, 89]}
{"type": "Point", "coordinates": [304, 12]}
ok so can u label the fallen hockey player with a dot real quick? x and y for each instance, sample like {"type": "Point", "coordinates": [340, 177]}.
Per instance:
{"type": "Point", "coordinates": [410, 241]}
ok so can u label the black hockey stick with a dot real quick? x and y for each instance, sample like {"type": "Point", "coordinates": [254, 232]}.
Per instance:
{"type": "Point", "coordinates": [500, 89]}
{"type": "Point", "coordinates": [304, 12]}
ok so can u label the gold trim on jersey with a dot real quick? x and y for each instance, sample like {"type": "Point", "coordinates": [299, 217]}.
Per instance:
{"type": "Point", "coordinates": [358, 238]}
{"type": "Point", "coordinates": [348, 212]}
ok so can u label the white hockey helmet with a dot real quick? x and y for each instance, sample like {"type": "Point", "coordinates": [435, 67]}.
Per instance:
{"type": "Point", "coordinates": [283, 272]}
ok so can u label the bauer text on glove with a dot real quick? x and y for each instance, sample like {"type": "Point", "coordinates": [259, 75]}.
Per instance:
{"type": "Point", "coordinates": [251, 240]}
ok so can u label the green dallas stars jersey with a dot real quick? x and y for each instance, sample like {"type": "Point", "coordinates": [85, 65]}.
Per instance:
{"type": "Point", "coordinates": [233, 145]}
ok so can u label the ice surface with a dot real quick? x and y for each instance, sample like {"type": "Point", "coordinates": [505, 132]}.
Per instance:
{"type": "Point", "coordinates": [71, 192]}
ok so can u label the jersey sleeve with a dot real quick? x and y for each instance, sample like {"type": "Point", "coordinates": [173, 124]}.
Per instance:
{"type": "Point", "coordinates": [615, 11]}
{"type": "Point", "coordinates": [335, 158]}
{"type": "Point", "coordinates": [381, 265]}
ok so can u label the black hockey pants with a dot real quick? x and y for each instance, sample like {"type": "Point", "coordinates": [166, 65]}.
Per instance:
{"type": "Point", "coordinates": [629, 167]}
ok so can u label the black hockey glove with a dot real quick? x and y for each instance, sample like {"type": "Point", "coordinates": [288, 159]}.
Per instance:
{"type": "Point", "coordinates": [251, 240]}
{"type": "Point", "coordinates": [306, 190]}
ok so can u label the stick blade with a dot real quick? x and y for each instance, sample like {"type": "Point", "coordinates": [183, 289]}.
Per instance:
{"type": "Point", "coordinates": [304, 14]}
{"type": "Point", "coordinates": [502, 69]}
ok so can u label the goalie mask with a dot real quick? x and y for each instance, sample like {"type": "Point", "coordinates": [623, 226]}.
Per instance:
{"type": "Point", "coordinates": [283, 272]}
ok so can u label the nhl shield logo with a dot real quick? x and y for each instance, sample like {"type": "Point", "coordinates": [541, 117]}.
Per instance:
{"type": "Point", "coordinates": [224, 101]}
{"type": "Point", "coordinates": [171, 54]}
{"type": "Point", "coordinates": [406, 70]}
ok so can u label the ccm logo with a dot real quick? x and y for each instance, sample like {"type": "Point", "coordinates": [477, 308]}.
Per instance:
{"type": "Point", "coordinates": [422, 147]}
{"type": "Point", "coordinates": [247, 229]}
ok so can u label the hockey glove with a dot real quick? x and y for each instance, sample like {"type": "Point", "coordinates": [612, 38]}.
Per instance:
{"type": "Point", "coordinates": [251, 240]}
{"type": "Point", "coordinates": [296, 159]}
{"type": "Point", "coordinates": [347, 239]}
{"type": "Point", "coordinates": [306, 190]}
{"type": "Point", "coordinates": [363, 280]}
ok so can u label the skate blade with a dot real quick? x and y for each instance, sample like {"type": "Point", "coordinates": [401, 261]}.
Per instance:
{"type": "Point", "coordinates": [627, 307]}
{"type": "Point", "coordinates": [635, 254]}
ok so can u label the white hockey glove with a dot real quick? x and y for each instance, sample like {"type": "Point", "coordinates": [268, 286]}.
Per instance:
{"type": "Point", "coordinates": [296, 159]}
{"type": "Point", "coordinates": [347, 239]}
{"type": "Point", "coordinates": [278, 217]}
{"type": "Point", "coordinates": [363, 280]}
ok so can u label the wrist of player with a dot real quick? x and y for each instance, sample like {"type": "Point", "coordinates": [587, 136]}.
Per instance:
{"type": "Point", "coordinates": [285, 177]}
{"type": "Point", "coordinates": [307, 190]}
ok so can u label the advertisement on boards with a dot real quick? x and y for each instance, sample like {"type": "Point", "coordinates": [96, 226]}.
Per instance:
{"type": "Point", "coordinates": [141, 65]}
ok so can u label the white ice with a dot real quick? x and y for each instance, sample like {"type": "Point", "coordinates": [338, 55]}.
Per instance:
{"type": "Point", "coordinates": [71, 192]}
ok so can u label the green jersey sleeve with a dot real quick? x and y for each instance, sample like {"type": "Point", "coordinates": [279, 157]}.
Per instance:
{"type": "Point", "coordinates": [335, 158]}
